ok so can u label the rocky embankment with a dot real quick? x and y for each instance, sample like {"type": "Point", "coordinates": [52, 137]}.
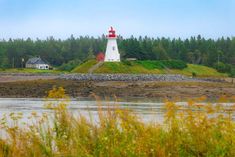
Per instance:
{"type": "Point", "coordinates": [139, 77]}
{"type": "Point", "coordinates": [125, 77]}
{"type": "Point", "coordinates": [12, 77]}
{"type": "Point", "coordinates": [135, 77]}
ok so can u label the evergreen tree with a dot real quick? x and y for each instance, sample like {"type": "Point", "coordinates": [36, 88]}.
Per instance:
{"type": "Point", "coordinates": [197, 50]}
{"type": "Point", "coordinates": [160, 52]}
{"type": "Point", "coordinates": [90, 54]}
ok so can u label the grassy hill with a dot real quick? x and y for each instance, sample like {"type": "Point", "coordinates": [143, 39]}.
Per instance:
{"type": "Point", "coordinates": [132, 67]}
{"type": "Point", "coordinates": [83, 68]}
{"type": "Point", "coordinates": [147, 67]}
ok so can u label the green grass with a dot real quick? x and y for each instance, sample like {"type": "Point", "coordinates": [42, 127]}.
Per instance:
{"type": "Point", "coordinates": [133, 67]}
{"type": "Point", "coordinates": [147, 67]}
{"type": "Point", "coordinates": [150, 65]}
{"type": "Point", "coordinates": [110, 67]}
{"type": "Point", "coordinates": [200, 70]}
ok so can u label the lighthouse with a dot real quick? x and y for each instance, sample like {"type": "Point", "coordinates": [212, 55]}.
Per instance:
{"type": "Point", "coordinates": [112, 54]}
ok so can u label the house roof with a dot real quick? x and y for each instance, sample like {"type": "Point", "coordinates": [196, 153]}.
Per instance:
{"type": "Point", "coordinates": [35, 60]}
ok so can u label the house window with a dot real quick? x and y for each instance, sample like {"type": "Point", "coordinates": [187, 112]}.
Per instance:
{"type": "Point", "coordinates": [113, 48]}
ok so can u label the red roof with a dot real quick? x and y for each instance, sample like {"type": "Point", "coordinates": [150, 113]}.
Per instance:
{"type": "Point", "coordinates": [112, 33]}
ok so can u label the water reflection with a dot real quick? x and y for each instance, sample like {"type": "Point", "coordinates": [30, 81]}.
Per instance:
{"type": "Point", "coordinates": [147, 110]}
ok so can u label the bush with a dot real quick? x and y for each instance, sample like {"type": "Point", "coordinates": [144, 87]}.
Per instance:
{"type": "Point", "coordinates": [194, 74]}
{"type": "Point", "coordinates": [171, 64]}
{"type": "Point", "coordinates": [174, 64]}
{"type": "Point", "coordinates": [232, 72]}
{"type": "Point", "coordinates": [129, 63]}
{"type": "Point", "coordinates": [223, 68]}
{"type": "Point", "coordinates": [70, 65]}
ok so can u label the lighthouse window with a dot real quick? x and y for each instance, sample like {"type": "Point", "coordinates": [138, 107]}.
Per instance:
{"type": "Point", "coordinates": [113, 48]}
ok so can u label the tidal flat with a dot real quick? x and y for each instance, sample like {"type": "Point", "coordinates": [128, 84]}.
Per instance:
{"type": "Point", "coordinates": [176, 91]}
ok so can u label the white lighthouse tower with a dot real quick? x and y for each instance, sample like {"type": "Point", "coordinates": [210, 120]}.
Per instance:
{"type": "Point", "coordinates": [112, 54]}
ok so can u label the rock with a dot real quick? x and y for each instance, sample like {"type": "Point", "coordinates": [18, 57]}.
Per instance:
{"type": "Point", "coordinates": [128, 77]}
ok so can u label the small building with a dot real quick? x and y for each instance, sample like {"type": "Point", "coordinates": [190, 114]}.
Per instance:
{"type": "Point", "coordinates": [37, 63]}
{"type": "Point", "coordinates": [131, 59]}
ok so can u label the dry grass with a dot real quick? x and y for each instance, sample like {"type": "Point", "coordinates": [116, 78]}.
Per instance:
{"type": "Point", "coordinates": [26, 70]}
{"type": "Point", "coordinates": [191, 130]}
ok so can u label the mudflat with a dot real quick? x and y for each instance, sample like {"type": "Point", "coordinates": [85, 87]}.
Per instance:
{"type": "Point", "coordinates": [147, 89]}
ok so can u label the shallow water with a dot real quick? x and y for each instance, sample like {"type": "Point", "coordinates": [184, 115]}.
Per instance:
{"type": "Point", "coordinates": [147, 110]}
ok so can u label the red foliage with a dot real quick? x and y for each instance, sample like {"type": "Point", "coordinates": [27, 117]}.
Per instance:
{"type": "Point", "coordinates": [100, 56]}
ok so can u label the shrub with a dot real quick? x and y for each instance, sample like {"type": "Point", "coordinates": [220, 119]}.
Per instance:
{"type": "Point", "coordinates": [70, 65]}
{"type": "Point", "coordinates": [171, 64]}
{"type": "Point", "coordinates": [174, 64]}
{"type": "Point", "coordinates": [223, 68]}
{"type": "Point", "coordinates": [194, 74]}
{"type": "Point", "coordinates": [129, 63]}
{"type": "Point", "coordinates": [232, 72]}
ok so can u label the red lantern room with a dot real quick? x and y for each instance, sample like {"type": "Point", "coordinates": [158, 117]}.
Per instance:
{"type": "Point", "coordinates": [112, 33]}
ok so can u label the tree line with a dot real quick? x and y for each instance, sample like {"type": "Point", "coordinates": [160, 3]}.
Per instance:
{"type": "Point", "coordinates": [195, 50]}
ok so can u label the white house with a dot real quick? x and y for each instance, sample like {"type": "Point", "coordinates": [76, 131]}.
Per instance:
{"type": "Point", "coordinates": [37, 63]}
{"type": "Point", "coordinates": [112, 53]}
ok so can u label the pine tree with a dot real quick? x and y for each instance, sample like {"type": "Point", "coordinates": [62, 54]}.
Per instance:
{"type": "Point", "coordinates": [90, 54]}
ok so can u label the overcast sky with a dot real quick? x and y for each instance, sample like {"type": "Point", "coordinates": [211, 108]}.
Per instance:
{"type": "Point", "coordinates": [154, 18]}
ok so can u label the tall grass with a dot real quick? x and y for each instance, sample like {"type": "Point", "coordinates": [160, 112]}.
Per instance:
{"type": "Point", "coordinates": [187, 131]}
